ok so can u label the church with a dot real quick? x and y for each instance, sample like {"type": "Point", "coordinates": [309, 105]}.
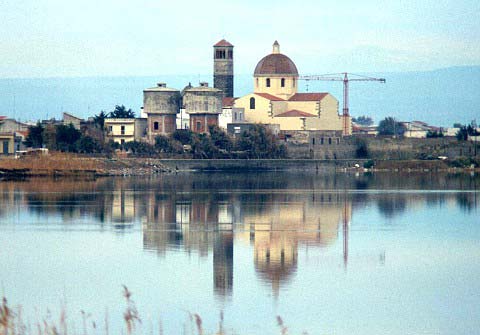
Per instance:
{"type": "Point", "coordinates": [276, 101]}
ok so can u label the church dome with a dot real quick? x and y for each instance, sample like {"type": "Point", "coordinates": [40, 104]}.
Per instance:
{"type": "Point", "coordinates": [276, 64]}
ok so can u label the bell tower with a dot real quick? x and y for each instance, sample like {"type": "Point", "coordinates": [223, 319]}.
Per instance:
{"type": "Point", "coordinates": [223, 67]}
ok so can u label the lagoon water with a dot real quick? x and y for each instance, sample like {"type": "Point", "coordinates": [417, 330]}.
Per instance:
{"type": "Point", "coordinates": [330, 254]}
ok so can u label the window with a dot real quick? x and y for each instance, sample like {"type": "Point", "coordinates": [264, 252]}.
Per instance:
{"type": "Point", "coordinates": [220, 54]}
{"type": "Point", "coordinates": [230, 54]}
{"type": "Point", "coordinates": [155, 126]}
{"type": "Point", "coordinates": [313, 141]}
{"type": "Point", "coordinates": [122, 141]}
{"type": "Point", "coordinates": [205, 106]}
{"type": "Point", "coordinates": [199, 126]}
{"type": "Point", "coordinates": [256, 82]}
{"type": "Point", "coordinates": [252, 103]}
{"type": "Point", "coordinates": [122, 130]}
{"type": "Point", "coordinates": [283, 82]}
{"type": "Point", "coordinates": [321, 140]}
{"type": "Point", "coordinates": [338, 141]}
{"type": "Point", "coordinates": [293, 82]}
{"type": "Point", "coordinates": [110, 128]}
{"type": "Point", "coordinates": [329, 140]}
{"type": "Point", "coordinates": [268, 82]}
{"type": "Point", "coordinates": [235, 116]}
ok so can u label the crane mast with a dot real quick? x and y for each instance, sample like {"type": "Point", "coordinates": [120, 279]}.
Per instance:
{"type": "Point", "coordinates": [343, 76]}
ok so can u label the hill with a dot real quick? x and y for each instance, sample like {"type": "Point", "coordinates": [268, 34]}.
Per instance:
{"type": "Point", "coordinates": [439, 97]}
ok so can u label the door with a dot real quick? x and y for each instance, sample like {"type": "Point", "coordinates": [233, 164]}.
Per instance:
{"type": "Point", "coordinates": [5, 147]}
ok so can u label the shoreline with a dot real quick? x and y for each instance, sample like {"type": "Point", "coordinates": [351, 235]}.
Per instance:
{"type": "Point", "coordinates": [71, 165]}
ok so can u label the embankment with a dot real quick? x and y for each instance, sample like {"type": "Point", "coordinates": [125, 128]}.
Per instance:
{"type": "Point", "coordinates": [76, 165]}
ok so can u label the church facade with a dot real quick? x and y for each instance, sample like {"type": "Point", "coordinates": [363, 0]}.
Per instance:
{"type": "Point", "coordinates": [276, 100]}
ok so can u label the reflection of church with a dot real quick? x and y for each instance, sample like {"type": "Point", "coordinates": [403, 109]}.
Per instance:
{"type": "Point", "coordinates": [275, 224]}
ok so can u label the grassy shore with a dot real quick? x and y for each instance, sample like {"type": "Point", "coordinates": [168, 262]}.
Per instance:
{"type": "Point", "coordinates": [55, 164]}
{"type": "Point", "coordinates": [64, 164]}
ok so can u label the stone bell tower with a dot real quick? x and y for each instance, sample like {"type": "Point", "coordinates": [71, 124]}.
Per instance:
{"type": "Point", "coordinates": [223, 67]}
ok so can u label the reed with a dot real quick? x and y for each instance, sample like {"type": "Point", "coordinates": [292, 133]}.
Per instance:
{"type": "Point", "coordinates": [11, 323]}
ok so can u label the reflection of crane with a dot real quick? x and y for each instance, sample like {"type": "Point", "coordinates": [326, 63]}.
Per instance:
{"type": "Point", "coordinates": [343, 77]}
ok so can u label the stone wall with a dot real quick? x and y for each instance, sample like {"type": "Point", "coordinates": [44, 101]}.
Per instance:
{"type": "Point", "coordinates": [330, 145]}
{"type": "Point", "coordinates": [259, 164]}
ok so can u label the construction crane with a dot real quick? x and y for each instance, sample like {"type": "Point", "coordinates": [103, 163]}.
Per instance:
{"type": "Point", "coordinates": [343, 76]}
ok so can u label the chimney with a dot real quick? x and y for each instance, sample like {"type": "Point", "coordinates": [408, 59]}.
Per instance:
{"type": "Point", "coordinates": [161, 84]}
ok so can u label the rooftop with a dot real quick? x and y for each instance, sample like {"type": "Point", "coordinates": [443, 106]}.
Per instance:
{"type": "Point", "coordinates": [223, 43]}
{"type": "Point", "coordinates": [295, 113]}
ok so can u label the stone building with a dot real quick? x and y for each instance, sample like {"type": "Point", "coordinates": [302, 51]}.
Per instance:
{"type": "Point", "coordinates": [276, 100]}
{"type": "Point", "coordinates": [161, 104]}
{"type": "Point", "coordinates": [204, 105]}
{"type": "Point", "coordinates": [73, 120]}
{"type": "Point", "coordinates": [223, 67]}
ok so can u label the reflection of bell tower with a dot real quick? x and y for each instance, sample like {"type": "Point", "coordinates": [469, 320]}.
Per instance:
{"type": "Point", "coordinates": [223, 67]}
{"type": "Point", "coordinates": [223, 263]}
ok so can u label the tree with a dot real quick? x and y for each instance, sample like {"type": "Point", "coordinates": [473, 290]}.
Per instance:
{"type": "Point", "coordinates": [220, 138]}
{"type": "Point", "coordinates": [87, 145]}
{"type": "Point", "coordinates": [167, 144]}
{"type": "Point", "coordinates": [362, 148]}
{"type": "Point", "coordinates": [183, 136]}
{"type": "Point", "coordinates": [203, 147]}
{"type": "Point", "coordinates": [121, 112]}
{"type": "Point", "coordinates": [99, 120]}
{"type": "Point", "coordinates": [465, 131]}
{"type": "Point", "coordinates": [389, 126]}
{"type": "Point", "coordinates": [363, 120]}
{"type": "Point", "coordinates": [34, 138]}
{"type": "Point", "coordinates": [259, 142]}
{"type": "Point", "coordinates": [66, 137]}
{"type": "Point", "coordinates": [139, 148]}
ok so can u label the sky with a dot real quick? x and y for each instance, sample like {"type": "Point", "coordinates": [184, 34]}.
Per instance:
{"type": "Point", "coordinates": [63, 38]}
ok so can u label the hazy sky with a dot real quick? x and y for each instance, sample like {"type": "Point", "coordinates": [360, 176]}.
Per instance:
{"type": "Point", "coordinates": [45, 38]}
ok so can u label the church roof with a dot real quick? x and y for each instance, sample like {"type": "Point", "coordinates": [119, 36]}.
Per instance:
{"type": "Point", "coordinates": [276, 64]}
{"type": "Point", "coordinates": [308, 96]}
{"type": "Point", "coordinates": [294, 113]}
{"type": "Point", "coordinates": [223, 43]}
{"type": "Point", "coordinates": [269, 97]}
{"type": "Point", "coordinates": [228, 101]}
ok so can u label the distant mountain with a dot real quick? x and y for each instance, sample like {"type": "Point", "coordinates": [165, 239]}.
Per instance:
{"type": "Point", "coordinates": [439, 97]}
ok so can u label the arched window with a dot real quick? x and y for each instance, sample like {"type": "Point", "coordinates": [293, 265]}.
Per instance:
{"type": "Point", "coordinates": [268, 82]}
{"type": "Point", "coordinates": [252, 103]}
{"type": "Point", "coordinates": [283, 82]}
{"type": "Point", "coordinates": [293, 82]}
{"type": "Point", "coordinates": [155, 126]}
{"type": "Point", "coordinates": [257, 82]}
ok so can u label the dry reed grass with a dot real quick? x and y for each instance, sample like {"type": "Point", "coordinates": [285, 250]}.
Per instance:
{"type": "Point", "coordinates": [53, 162]}
{"type": "Point", "coordinates": [11, 323]}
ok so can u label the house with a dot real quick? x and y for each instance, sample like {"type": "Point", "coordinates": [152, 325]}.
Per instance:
{"type": "Point", "coordinates": [7, 143]}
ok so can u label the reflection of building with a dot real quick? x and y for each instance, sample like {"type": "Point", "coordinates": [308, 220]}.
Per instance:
{"type": "Point", "coordinates": [123, 207]}
{"type": "Point", "coordinates": [276, 224]}
{"type": "Point", "coordinates": [223, 263]}
{"type": "Point", "coordinates": [284, 222]}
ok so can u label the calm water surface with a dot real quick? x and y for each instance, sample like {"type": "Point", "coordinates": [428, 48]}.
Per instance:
{"type": "Point", "coordinates": [330, 254]}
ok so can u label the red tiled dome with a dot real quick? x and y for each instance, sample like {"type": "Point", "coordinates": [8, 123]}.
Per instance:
{"type": "Point", "coordinates": [276, 64]}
